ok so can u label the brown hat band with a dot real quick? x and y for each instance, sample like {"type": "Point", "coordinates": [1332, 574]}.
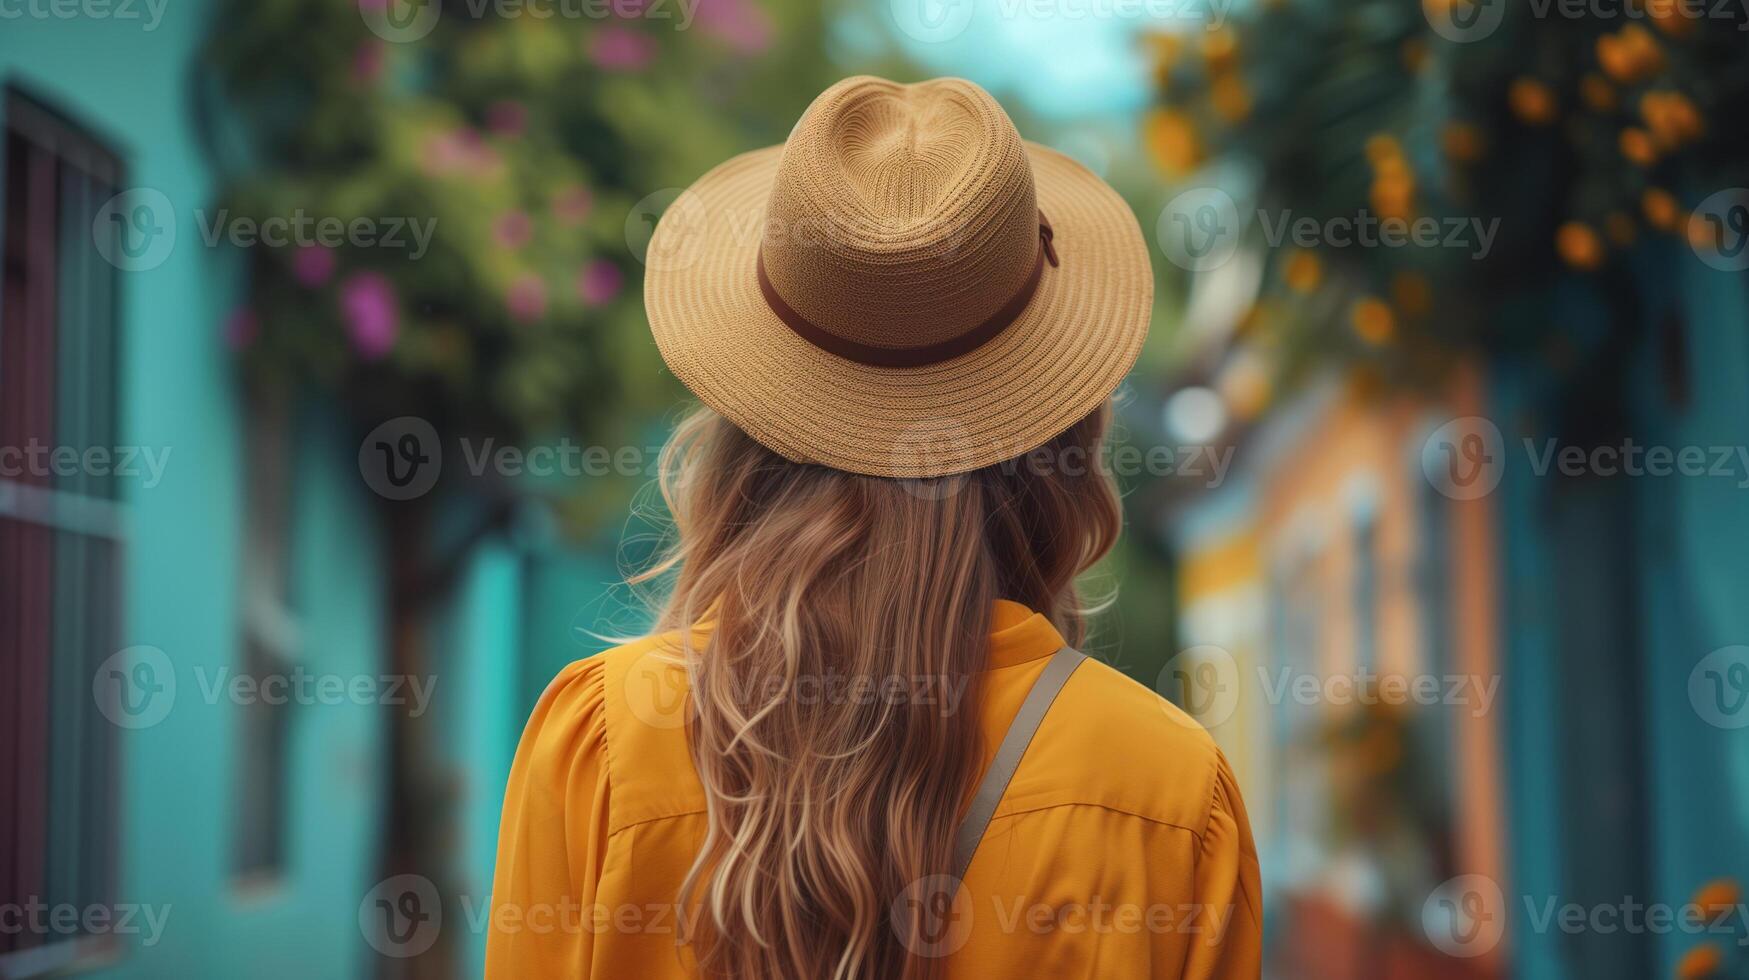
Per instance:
{"type": "Point", "coordinates": [915, 356]}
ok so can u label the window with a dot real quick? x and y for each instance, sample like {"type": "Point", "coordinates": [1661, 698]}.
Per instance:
{"type": "Point", "coordinates": [270, 637]}
{"type": "Point", "coordinates": [61, 529]}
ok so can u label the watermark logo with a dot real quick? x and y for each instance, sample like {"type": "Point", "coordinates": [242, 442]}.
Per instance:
{"type": "Point", "coordinates": [933, 916]}
{"type": "Point", "coordinates": [682, 218]}
{"type": "Point", "coordinates": [136, 687]}
{"type": "Point", "coordinates": [1204, 681]}
{"type": "Point", "coordinates": [401, 458]}
{"type": "Point", "coordinates": [655, 689]}
{"type": "Point", "coordinates": [1465, 916]}
{"type": "Point", "coordinates": [932, 21]}
{"type": "Point", "coordinates": [1464, 458]}
{"type": "Point", "coordinates": [928, 446]}
{"type": "Point", "coordinates": [1199, 229]}
{"type": "Point", "coordinates": [402, 916]}
{"type": "Point", "coordinates": [1718, 687]}
{"type": "Point", "coordinates": [400, 21]}
{"type": "Point", "coordinates": [1463, 21]}
{"type": "Point", "coordinates": [1719, 230]}
{"type": "Point", "coordinates": [151, 12]}
{"type": "Point", "coordinates": [135, 230]}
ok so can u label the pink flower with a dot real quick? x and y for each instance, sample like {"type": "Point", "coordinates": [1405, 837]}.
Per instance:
{"type": "Point", "coordinates": [616, 48]}
{"type": "Point", "coordinates": [367, 301]}
{"type": "Point", "coordinates": [572, 205]}
{"type": "Point", "coordinates": [367, 62]}
{"type": "Point", "coordinates": [527, 300]}
{"type": "Point", "coordinates": [507, 117]}
{"type": "Point", "coordinates": [459, 151]}
{"type": "Point", "coordinates": [599, 282]}
{"type": "Point", "coordinates": [514, 229]}
{"type": "Point", "coordinates": [746, 28]}
{"type": "Point", "coordinates": [313, 265]}
{"type": "Point", "coordinates": [241, 328]}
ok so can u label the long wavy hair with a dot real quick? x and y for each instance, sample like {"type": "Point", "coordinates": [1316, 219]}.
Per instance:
{"type": "Point", "coordinates": [849, 614]}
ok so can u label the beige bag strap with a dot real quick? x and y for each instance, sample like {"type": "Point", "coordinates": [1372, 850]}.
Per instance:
{"type": "Point", "coordinates": [1020, 732]}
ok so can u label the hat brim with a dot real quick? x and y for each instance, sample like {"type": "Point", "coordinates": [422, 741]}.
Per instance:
{"type": "Point", "coordinates": [1047, 370]}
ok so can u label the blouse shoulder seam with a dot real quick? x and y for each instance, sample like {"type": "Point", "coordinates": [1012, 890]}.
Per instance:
{"type": "Point", "coordinates": [1192, 831]}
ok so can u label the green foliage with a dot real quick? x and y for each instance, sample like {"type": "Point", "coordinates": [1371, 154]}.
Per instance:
{"type": "Point", "coordinates": [1579, 131]}
{"type": "Point", "coordinates": [523, 143]}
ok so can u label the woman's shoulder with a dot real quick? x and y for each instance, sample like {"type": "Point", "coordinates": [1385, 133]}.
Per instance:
{"type": "Point", "coordinates": [622, 711]}
{"type": "Point", "coordinates": [1116, 743]}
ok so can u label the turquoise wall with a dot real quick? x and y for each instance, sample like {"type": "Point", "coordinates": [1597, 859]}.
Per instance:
{"type": "Point", "coordinates": [1689, 536]}
{"type": "Point", "coordinates": [184, 547]}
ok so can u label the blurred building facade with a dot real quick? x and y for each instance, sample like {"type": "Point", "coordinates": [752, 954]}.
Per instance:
{"type": "Point", "coordinates": [254, 830]}
{"type": "Point", "coordinates": [1346, 544]}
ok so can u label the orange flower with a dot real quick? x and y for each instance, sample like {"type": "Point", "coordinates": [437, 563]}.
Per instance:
{"type": "Point", "coordinates": [1303, 272]}
{"type": "Point", "coordinates": [1670, 17]}
{"type": "Point", "coordinates": [1717, 896]}
{"type": "Point", "coordinates": [1597, 92]}
{"type": "Point", "coordinates": [1643, 48]}
{"type": "Point", "coordinates": [1463, 141]}
{"type": "Point", "coordinates": [1579, 245]}
{"type": "Point", "coordinates": [1637, 146]}
{"type": "Point", "coordinates": [1373, 321]}
{"type": "Point", "coordinates": [1230, 98]}
{"type": "Point", "coordinates": [1700, 235]}
{"type": "Point", "coordinates": [1393, 195]}
{"type": "Point", "coordinates": [1172, 141]}
{"type": "Point", "coordinates": [1630, 55]}
{"type": "Point", "coordinates": [1615, 58]}
{"type": "Point", "coordinates": [1382, 147]}
{"type": "Point", "coordinates": [1660, 209]}
{"type": "Point", "coordinates": [1700, 962]}
{"type": "Point", "coordinates": [1531, 101]}
{"type": "Point", "coordinates": [1619, 227]}
{"type": "Point", "coordinates": [1414, 53]}
{"type": "Point", "coordinates": [1412, 293]}
{"type": "Point", "coordinates": [1220, 48]}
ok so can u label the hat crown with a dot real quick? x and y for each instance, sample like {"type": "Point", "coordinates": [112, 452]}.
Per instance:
{"type": "Point", "coordinates": [901, 216]}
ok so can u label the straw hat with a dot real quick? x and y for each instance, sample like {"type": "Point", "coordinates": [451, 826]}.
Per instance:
{"type": "Point", "coordinates": [905, 288]}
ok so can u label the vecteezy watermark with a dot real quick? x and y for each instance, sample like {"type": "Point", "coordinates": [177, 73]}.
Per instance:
{"type": "Point", "coordinates": [1548, 914]}
{"type": "Point", "coordinates": [1466, 458]}
{"type": "Point", "coordinates": [1365, 686]}
{"type": "Point", "coordinates": [1204, 681]}
{"type": "Point", "coordinates": [403, 21]}
{"type": "Point", "coordinates": [1208, 684]}
{"type": "Point", "coordinates": [40, 460]}
{"type": "Point", "coordinates": [302, 686]}
{"type": "Point", "coordinates": [136, 687]}
{"type": "Point", "coordinates": [150, 13]}
{"type": "Point", "coordinates": [401, 916]}
{"type": "Point", "coordinates": [1200, 229]}
{"type": "Point", "coordinates": [401, 459]}
{"type": "Point", "coordinates": [1718, 687]}
{"type": "Point", "coordinates": [1719, 226]}
{"type": "Point", "coordinates": [1367, 230]}
{"type": "Point", "coordinates": [1465, 916]}
{"type": "Point", "coordinates": [936, 21]}
{"type": "Point", "coordinates": [302, 229]}
{"type": "Point", "coordinates": [135, 230]}
{"type": "Point", "coordinates": [932, 916]}
{"type": "Point", "coordinates": [656, 689]}
{"type": "Point", "coordinates": [35, 917]}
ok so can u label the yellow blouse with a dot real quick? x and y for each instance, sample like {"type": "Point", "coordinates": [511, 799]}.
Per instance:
{"type": "Point", "coordinates": [1121, 848]}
